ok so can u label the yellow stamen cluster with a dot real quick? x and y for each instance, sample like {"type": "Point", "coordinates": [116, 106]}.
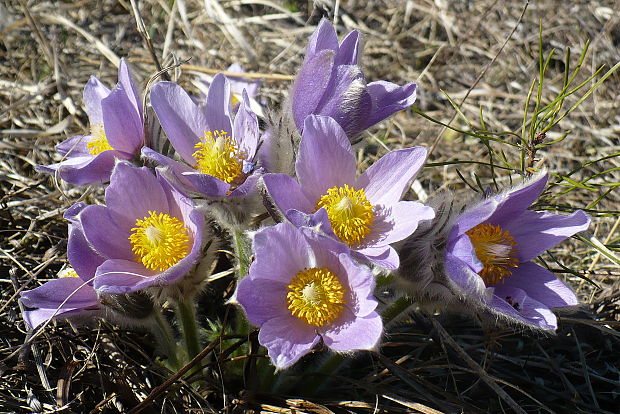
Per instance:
{"type": "Point", "coordinates": [159, 241]}
{"type": "Point", "coordinates": [316, 296]}
{"type": "Point", "coordinates": [218, 155]}
{"type": "Point", "coordinates": [68, 272]}
{"type": "Point", "coordinates": [496, 249]}
{"type": "Point", "coordinates": [98, 142]}
{"type": "Point", "coordinates": [350, 213]}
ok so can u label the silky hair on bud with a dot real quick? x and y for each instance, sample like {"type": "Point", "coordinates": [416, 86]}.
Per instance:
{"type": "Point", "coordinates": [232, 213]}
{"type": "Point", "coordinates": [421, 273]}
{"type": "Point", "coordinates": [279, 143]}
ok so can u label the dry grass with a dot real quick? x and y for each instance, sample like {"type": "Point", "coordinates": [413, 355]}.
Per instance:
{"type": "Point", "coordinates": [48, 49]}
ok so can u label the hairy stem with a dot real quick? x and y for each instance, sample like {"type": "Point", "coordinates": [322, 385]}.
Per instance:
{"type": "Point", "coordinates": [189, 328]}
{"type": "Point", "coordinates": [395, 310]}
{"type": "Point", "coordinates": [164, 335]}
{"type": "Point", "coordinates": [241, 250]}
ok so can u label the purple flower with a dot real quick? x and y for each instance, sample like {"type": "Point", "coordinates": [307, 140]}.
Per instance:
{"type": "Point", "coordinates": [72, 294]}
{"type": "Point", "coordinates": [148, 233]}
{"type": "Point", "coordinates": [365, 211]}
{"type": "Point", "coordinates": [304, 287]}
{"type": "Point", "coordinates": [218, 152]}
{"type": "Point", "coordinates": [331, 83]}
{"type": "Point", "coordinates": [490, 248]}
{"type": "Point", "coordinates": [116, 132]}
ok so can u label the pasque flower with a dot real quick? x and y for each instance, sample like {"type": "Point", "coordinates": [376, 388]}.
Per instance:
{"type": "Point", "coordinates": [489, 253]}
{"type": "Point", "coordinates": [71, 295]}
{"type": "Point", "coordinates": [303, 288]}
{"type": "Point", "coordinates": [364, 212]}
{"type": "Point", "coordinates": [148, 233]}
{"type": "Point", "coordinates": [116, 132]}
{"type": "Point", "coordinates": [218, 153]}
{"type": "Point", "coordinates": [331, 83]}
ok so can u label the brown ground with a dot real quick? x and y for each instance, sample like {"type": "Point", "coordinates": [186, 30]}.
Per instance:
{"type": "Point", "coordinates": [48, 49]}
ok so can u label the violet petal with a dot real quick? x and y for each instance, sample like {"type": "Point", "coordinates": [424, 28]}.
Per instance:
{"type": "Point", "coordinates": [62, 293]}
{"type": "Point", "coordinates": [207, 184]}
{"type": "Point", "coordinates": [325, 159]}
{"type": "Point", "coordinates": [541, 285]}
{"type": "Point", "coordinates": [94, 92]}
{"type": "Point", "coordinates": [74, 146]}
{"type": "Point", "coordinates": [351, 333]}
{"type": "Point", "coordinates": [81, 255]}
{"type": "Point", "coordinates": [286, 193]}
{"type": "Point", "coordinates": [122, 123]}
{"type": "Point", "coordinates": [517, 200]}
{"type": "Point", "coordinates": [389, 98]}
{"type": "Point", "coordinates": [118, 276]}
{"type": "Point", "coordinates": [217, 110]}
{"type": "Point", "coordinates": [530, 311]}
{"type": "Point", "coordinates": [287, 339]}
{"type": "Point", "coordinates": [262, 299]}
{"type": "Point", "coordinates": [323, 38]}
{"type": "Point", "coordinates": [245, 130]}
{"type": "Point", "coordinates": [386, 180]}
{"type": "Point", "coordinates": [134, 192]}
{"type": "Point", "coordinates": [397, 222]}
{"type": "Point", "coordinates": [172, 167]}
{"type": "Point", "coordinates": [85, 169]}
{"type": "Point", "coordinates": [180, 118]}
{"type": "Point", "coordinates": [291, 256]}
{"type": "Point", "coordinates": [463, 276]}
{"type": "Point", "coordinates": [126, 79]}
{"type": "Point", "coordinates": [536, 232]}
{"type": "Point", "coordinates": [349, 52]}
{"type": "Point", "coordinates": [384, 256]}
{"type": "Point", "coordinates": [310, 85]}
{"type": "Point", "coordinates": [98, 225]}
{"type": "Point", "coordinates": [346, 99]}
{"type": "Point", "coordinates": [360, 284]}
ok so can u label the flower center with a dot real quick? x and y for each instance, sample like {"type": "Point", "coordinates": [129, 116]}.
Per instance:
{"type": "Point", "coordinates": [159, 241]}
{"type": "Point", "coordinates": [98, 142]}
{"type": "Point", "coordinates": [350, 213]}
{"type": "Point", "coordinates": [218, 155]}
{"type": "Point", "coordinates": [315, 296]}
{"type": "Point", "coordinates": [496, 249]}
{"type": "Point", "coordinates": [68, 272]}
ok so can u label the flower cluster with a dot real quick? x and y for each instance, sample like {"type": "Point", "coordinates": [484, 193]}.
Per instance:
{"type": "Point", "coordinates": [318, 234]}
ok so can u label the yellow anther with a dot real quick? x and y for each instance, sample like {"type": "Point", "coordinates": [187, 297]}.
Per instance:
{"type": "Point", "coordinates": [159, 241]}
{"type": "Point", "coordinates": [350, 213]}
{"type": "Point", "coordinates": [98, 142]}
{"type": "Point", "coordinates": [316, 296]}
{"type": "Point", "coordinates": [218, 155]}
{"type": "Point", "coordinates": [496, 249]}
{"type": "Point", "coordinates": [68, 272]}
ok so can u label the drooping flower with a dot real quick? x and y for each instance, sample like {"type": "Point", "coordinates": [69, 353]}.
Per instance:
{"type": "Point", "coordinates": [116, 132]}
{"type": "Point", "coordinates": [71, 295]}
{"type": "Point", "coordinates": [303, 288]}
{"type": "Point", "coordinates": [148, 233]}
{"type": "Point", "coordinates": [331, 82]}
{"type": "Point", "coordinates": [217, 152]}
{"type": "Point", "coordinates": [488, 256]}
{"type": "Point", "coordinates": [364, 212]}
